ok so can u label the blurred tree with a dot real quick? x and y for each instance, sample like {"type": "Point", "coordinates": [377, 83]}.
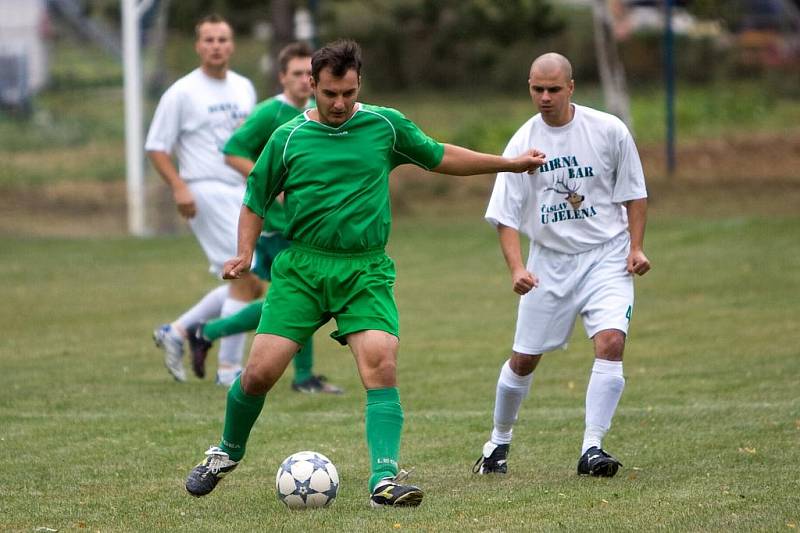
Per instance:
{"type": "Point", "coordinates": [442, 43]}
{"type": "Point", "coordinates": [157, 78]}
{"type": "Point", "coordinates": [282, 20]}
{"type": "Point", "coordinates": [240, 13]}
{"type": "Point", "coordinates": [612, 72]}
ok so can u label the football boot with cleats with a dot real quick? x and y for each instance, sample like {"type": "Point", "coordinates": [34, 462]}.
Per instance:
{"type": "Point", "coordinates": [493, 459]}
{"type": "Point", "coordinates": [389, 492]}
{"type": "Point", "coordinates": [167, 339]}
{"type": "Point", "coordinates": [596, 462]}
{"type": "Point", "coordinates": [205, 476]}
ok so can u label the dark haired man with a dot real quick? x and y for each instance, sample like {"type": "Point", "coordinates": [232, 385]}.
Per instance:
{"type": "Point", "coordinates": [332, 163]}
{"type": "Point", "coordinates": [241, 152]}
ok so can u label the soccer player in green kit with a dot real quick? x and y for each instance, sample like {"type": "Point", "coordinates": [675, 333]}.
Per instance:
{"type": "Point", "coordinates": [332, 163]}
{"type": "Point", "coordinates": [241, 152]}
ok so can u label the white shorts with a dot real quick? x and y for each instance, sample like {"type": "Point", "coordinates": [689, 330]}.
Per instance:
{"type": "Point", "coordinates": [594, 284]}
{"type": "Point", "coordinates": [216, 222]}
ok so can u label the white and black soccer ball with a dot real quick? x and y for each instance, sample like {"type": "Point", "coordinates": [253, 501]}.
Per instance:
{"type": "Point", "coordinates": [307, 480]}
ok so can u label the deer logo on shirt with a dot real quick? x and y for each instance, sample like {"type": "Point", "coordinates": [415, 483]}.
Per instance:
{"type": "Point", "coordinates": [570, 189]}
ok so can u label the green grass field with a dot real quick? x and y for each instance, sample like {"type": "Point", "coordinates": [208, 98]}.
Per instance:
{"type": "Point", "coordinates": [97, 438]}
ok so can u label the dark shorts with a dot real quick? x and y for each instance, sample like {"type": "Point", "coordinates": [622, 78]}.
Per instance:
{"type": "Point", "coordinates": [310, 286]}
{"type": "Point", "coordinates": [267, 249]}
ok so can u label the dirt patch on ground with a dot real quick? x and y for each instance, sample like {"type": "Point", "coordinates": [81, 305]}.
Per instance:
{"type": "Point", "coordinates": [768, 157]}
{"type": "Point", "coordinates": [727, 177]}
{"type": "Point", "coordinates": [64, 209]}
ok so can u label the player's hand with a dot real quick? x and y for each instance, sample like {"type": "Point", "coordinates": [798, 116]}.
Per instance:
{"type": "Point", "coordinates": [529, 161]}
{"type": "Point", "coordinates": [523, 281]}
{"type": "Point", "coordinates": [185, 201]}
{"type": "Point", "coordinates": [235, 266]}
{"type": "Point", "coordinates": [638, 263]}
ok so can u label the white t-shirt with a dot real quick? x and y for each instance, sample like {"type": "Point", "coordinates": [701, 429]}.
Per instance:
{"type": "Point", "coordinates": [573, 202]}
{"type": "Point", "coordinates": [195, 117]}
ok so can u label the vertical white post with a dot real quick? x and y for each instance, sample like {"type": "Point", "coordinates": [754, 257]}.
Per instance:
{"type": "Point", "coordinates": [134, 157]}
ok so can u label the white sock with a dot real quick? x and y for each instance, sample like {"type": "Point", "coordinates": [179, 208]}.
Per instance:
{"type": "Point", "coordinates": [231, 348]}
{"type": "Point", "coordinates": [602, 396]}
{"type": "Point", "coordinates": [511, 390]}
{"type": "Point", "coordinates": [209, 306]}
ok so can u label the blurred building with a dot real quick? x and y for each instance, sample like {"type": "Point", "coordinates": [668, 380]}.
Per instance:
{"type": "Point", "coordinates": [768, 32]}
{"type": "Point", "coordinates": [634, 16]}
{"type": "Point", "coordinates": [23, 51]}
{"type": "Point", "coordinates": [764, 32]}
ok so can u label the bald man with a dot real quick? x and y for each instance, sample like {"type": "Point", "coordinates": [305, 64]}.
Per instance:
{"type": "Point", "coordinates": [584, 212]}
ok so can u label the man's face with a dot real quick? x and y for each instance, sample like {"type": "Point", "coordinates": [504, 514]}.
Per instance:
{"type": "Point", "coordinates": [296, 81]}
{"type": "Point", "coordinates": [336, 97]}
{"type": "Point", "coordinates": [551, 92]}
{"type": "Point", "coordinates": [214, 45]}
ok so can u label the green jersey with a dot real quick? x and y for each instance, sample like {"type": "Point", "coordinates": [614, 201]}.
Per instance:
{"type": "Point", "coordinates": [336, 180]}
{"type": "Point", "coordinates": [250, 138]}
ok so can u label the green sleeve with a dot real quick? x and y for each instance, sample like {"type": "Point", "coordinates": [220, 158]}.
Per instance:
{"type": "Point", "coordinates": [412, 145]}
{"type": "Point", "coordinates": [249, 139]}
{"type": "Point", "coordinates": [266, 179]}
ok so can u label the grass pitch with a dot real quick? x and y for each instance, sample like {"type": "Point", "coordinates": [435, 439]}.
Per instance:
{"type": "Point", "coordinates": [96, 436]}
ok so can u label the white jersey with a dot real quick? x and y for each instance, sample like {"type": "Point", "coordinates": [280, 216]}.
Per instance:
{"type": "Point", "coordinates": [195, 117]}
{"type": "Point", "coordinates": [572, 203]}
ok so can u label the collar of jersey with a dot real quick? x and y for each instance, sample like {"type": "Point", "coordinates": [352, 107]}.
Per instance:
{"type": "Point", "coordinates": [568, 125]}
{"type": "Point", "coordinates": [342, 125]}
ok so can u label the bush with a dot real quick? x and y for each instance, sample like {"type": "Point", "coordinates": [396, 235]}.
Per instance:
{"type": "Point", "coordinates": [697, 60]}
{"type": "Point", "coordinates": [442, 44]}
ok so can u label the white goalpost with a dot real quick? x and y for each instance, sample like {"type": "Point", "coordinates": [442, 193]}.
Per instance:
{"type": "Point", "coordinates": [132, 11]}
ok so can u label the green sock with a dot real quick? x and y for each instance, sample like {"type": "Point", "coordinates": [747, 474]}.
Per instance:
{"type": "Point", "coordinates": [384, 421]}
{"type": "Point", "coordinates": [241, 412]}
{"type": "Point", "coordinates": [304, 362]}
{"type": "Point", "coordinates": [245, 320]}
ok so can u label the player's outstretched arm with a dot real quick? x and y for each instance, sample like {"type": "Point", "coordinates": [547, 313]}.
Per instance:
{"type": "Point", "coordinates": [522, 281]}
{"type": "Point", "coordinates": [250, 225]}
{"type": "Point", "coordinates": [638, 263]}
{"type": "Point", "coordinates": [460, 161]}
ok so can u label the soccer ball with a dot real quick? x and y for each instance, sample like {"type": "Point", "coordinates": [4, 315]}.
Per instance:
{"type": "Point", "coordinates": [307, 480]}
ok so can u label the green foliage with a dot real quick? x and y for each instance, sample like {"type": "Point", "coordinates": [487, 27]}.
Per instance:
{"type": "Point", "coordinates": [427, 43]}
{"type": "Point", "coordinates": [98, 438]}
{"type": "Point", "coordinates": [241, 14]}
{"type": "Point", "coordinates": [697, 59]}
{"type": "Point", "coordinates": [74, 65]}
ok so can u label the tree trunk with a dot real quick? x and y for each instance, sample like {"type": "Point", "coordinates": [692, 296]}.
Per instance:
{"type": "Point", "coordinates": [612, 73]}
{"type": "Point", "coordinates": [282, 17]}
{"type": "Point", "coordinates": [158, 79]}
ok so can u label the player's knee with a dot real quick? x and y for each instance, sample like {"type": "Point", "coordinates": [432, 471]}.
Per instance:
{"type": "Point", "coordinates": [259, 376]}
{"type": "Point", "coordinates": [379, 372]}
{"type": "Point", "coordinates": [259, 288]}
{"type": "Point", "coordinates": [610, 344]}
{"type": "Point", "coordinates": [522, 364]}
{"type": "Point", "coordinates": [385, 366]}
{"type": "Point", "coordinates": [256, 383]}
{"type": "Point", "coordinates": [246, 288]}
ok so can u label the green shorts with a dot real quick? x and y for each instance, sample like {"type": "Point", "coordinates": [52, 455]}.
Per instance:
{"type": "Point", "coordinates": [310, 286]}
{"type": "Point", "coordinates": [267, 249]}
